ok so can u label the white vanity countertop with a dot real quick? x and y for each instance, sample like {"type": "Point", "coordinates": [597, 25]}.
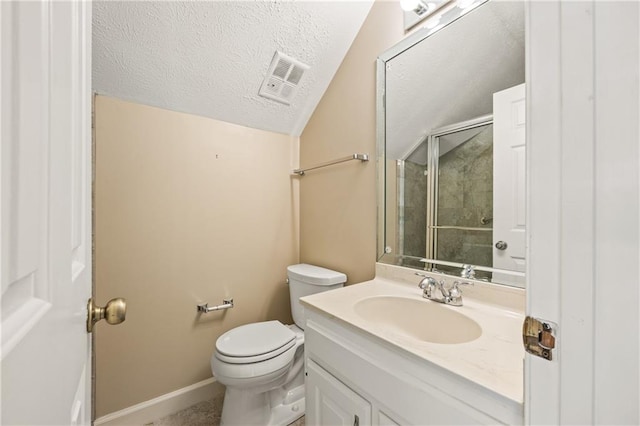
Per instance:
{"type": "Point", "coordinates": [494, 360]}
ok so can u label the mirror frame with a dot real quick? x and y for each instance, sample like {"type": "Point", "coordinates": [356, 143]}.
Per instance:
{"type": "Point", "coordinates": [411, 40]}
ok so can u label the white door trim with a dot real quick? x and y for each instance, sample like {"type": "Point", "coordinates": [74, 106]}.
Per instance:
{"type": "Point", "coordinates": [582, 221]}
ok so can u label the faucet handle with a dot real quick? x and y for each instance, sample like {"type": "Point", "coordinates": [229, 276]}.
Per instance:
{"type": "Point", "coordinates": [459, 283]}
{"type": "Point", "coordinates": [468, 271]}
{"type": "Point", "coordinates": [455, 290]}
{"type": "Point", "coordinates": [426, 281]}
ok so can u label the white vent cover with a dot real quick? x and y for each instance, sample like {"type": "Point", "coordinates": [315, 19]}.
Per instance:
{"type": "Point", "coordinates": [283, 78]}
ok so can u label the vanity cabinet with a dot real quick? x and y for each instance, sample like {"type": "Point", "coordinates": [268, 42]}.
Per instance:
{"type": "Point", "coordinates": [351, 373]}
{"type": "Point", "coordinates": [330, 402]}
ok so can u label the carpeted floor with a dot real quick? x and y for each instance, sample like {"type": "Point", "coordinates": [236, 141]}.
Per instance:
{"type": "Point", "coordinates": [205, 413]}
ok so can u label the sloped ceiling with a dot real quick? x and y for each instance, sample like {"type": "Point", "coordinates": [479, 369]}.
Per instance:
{"type": "Point", "coordinates": [209, 58]}
{"type": "Point", "coordinates": [451, 76]}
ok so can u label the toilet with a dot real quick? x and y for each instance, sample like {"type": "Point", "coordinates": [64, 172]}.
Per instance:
{"type": "Point", "coordinates": [262, 364]}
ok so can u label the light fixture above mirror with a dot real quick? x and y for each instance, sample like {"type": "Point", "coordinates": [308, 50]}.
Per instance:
{"type": "Point", "coordinates": [419, 7]}
{"type": "Point", "coordinates": [415, 11]}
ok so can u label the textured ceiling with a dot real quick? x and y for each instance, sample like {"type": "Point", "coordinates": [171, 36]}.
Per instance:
{"type": "Point", "coordinates": [450, 76]}
{"type": "Point", "coordinates": [209, 58]}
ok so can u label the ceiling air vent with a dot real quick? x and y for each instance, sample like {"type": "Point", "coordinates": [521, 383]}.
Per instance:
{"type": "Point", "coordinates": [283, 78]}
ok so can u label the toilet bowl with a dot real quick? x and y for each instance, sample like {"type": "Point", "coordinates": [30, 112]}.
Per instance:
{"type": "Point", "coordinates": [262, 364]}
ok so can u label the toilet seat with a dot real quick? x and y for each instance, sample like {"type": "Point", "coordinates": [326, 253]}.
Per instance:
{"type": "Point", "coordinates": [255, 342]}
{"type": "Point", "coordinates": [256, 337]}
{"type": "Point", "coordinates": [255, 358]}
{"type": "Point", "coordinates": [228, 373]}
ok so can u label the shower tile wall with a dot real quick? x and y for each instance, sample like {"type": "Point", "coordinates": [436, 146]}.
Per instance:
{"type": "Point", "coordinates": [415, 209]}
{"type": "Point", "coordinates": [465, 196]}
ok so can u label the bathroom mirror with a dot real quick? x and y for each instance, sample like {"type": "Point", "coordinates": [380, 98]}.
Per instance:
{"type": "Point", "coordinates": [451, 145]}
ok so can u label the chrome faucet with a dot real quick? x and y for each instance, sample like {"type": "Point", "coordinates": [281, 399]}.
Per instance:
{"type": "Point", "coordinates": [449, 296]}
{"type": "Point", "coordinates": [467, 272]}
{"type": "Point", "coordinates": [455, 294]}
{"type": "Point", "coordinates": [427, 284]}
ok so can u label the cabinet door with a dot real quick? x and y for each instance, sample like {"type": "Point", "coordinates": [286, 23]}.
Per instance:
{"type": "Point", "coordinates": [384, 420]}
{"type": "Point", "coordinates": [330, 402]}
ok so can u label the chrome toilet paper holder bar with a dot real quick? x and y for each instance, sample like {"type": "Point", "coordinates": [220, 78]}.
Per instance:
{"type": "Point", "coordinates": [226, 304]}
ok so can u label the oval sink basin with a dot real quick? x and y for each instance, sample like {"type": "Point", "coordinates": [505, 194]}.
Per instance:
{"type": "Point", "coordinates": [423, 320]}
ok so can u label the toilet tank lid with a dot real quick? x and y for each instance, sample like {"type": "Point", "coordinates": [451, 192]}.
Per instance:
{"type": "Point", "coordinates": [316, 275]}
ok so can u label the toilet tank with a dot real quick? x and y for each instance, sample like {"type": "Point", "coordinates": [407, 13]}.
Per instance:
{"type": "Point", "coordinates": [305, 280]}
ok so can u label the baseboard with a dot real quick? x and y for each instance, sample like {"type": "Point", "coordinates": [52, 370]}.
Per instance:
{"type": "Point", "coordinates": [148, 411]}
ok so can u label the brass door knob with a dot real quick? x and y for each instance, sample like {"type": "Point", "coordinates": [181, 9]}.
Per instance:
{"type": "Point", "coordinates": [114, 312]}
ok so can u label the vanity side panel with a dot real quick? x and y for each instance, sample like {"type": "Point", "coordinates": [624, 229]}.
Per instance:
{"type": "Point", "coordinates": [373, 370]}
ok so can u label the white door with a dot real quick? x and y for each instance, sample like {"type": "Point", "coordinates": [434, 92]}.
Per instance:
{"type": "Point", "coordinates": [330, 402]}
{"type": "Point", "coordinates": [45, 212]}
{"type": "Point", "coordinates": [509, 201]}
{"type": "Point", "coordinates": [583, 153]}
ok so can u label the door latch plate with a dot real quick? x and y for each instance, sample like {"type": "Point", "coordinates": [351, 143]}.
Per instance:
{"type": "Point", "coordinates": [538, 338]}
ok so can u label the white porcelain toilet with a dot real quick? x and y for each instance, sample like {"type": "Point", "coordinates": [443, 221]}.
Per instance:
{"type": "Point", "coordinates": [262, 364]}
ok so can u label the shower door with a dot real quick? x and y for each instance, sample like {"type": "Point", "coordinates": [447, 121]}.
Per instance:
{"type": "Point", "coordinates": [460, 196]}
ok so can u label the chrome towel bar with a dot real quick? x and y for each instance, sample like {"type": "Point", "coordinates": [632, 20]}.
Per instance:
{"type": "Point", "coordinates": [226, 304]}
{"type": "Point", "coordinates": [462, 228]}
{"type": "Point", "coordinates": [361, 157]}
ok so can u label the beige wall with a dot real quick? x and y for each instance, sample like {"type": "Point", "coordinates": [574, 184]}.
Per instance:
{"type": "Point", "coordinates": [338, 204]}
{"type": "Point", "coordinates": [188, 210]}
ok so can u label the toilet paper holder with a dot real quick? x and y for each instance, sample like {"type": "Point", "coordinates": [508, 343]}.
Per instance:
{"type": "Point", "coordinates": [226, 304]}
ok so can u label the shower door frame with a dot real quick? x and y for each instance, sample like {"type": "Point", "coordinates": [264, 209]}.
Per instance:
{"type": "Point", "coordinates": [433, 159]}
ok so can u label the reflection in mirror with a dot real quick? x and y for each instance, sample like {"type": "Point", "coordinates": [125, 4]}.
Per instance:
{"type": "Point", "coordinates": [463, 210]}
{"type": "Point", "coordinates": [452, 146]}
